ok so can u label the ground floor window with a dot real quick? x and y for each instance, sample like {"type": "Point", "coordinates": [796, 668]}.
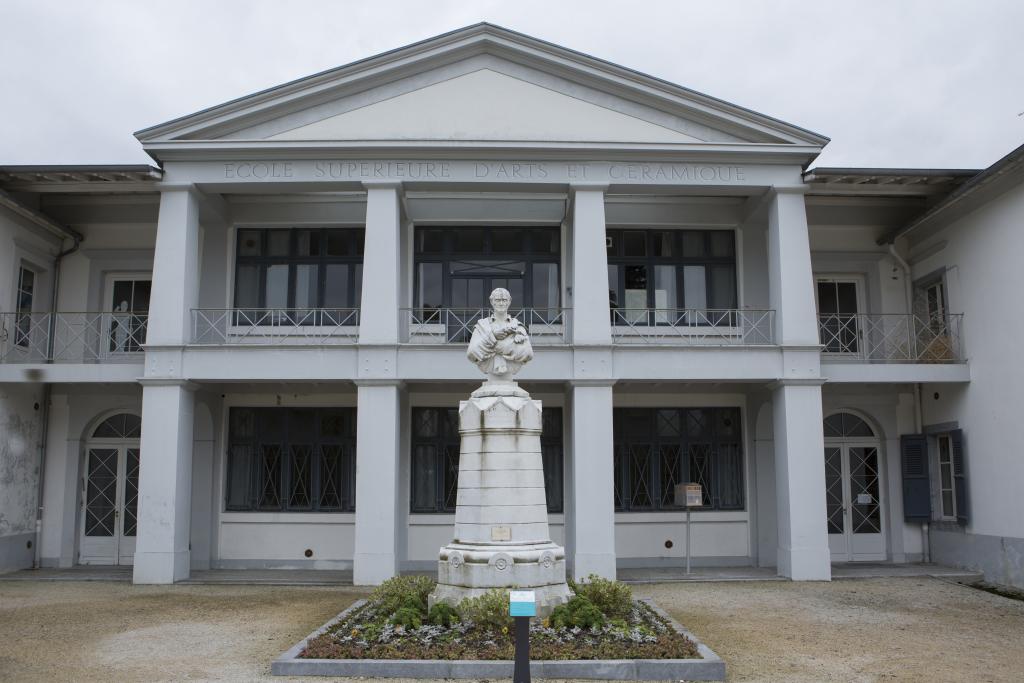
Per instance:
{"type": "Point", "coordinates": [291, 459]}
{"type": "Point", "coordinates": [946, 487]}
{"type": "Point", "coordinates": [435, 459]}
{"type": "Point", "coordinates": [658, 448]}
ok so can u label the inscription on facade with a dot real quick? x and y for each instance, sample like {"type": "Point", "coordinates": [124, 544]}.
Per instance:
{"type": "Point", "coordinates": [470, 171]}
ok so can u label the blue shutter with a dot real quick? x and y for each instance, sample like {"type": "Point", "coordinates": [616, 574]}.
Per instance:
{"type": "Point", "coordinates": [956, 438]}
{"type": "Point", "coordinates": [917, 498]}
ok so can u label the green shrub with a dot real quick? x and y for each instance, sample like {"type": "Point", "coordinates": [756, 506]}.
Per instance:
{"type": "Point", "coordinates": [489, 611]}
{"type": "Point", "coordinates": [614, 599]}
{"type": "Point", "coordinates": [401, 592]}
{"type": "Point", "coordinates": [443, 614]}
{"type": "Point", "coordinates": [579, 611]}
{"type": "Point", "coordinates": [408, 617]}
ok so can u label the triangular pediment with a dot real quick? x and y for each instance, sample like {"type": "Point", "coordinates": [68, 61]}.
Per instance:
{"type": "Point", "coordinates": [480, 84]}
{"type": "Point", "coordinates": [486, 105]}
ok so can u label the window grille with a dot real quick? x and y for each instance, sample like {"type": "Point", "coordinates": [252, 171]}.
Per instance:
{"type": "Point", "coordinates": [656, 449]}
{"type": "Point", "coordinates": [291, 459]}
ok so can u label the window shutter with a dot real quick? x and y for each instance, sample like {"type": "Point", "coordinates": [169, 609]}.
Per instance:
{"type": "Point", "coordinates": [956, 438]}
{"type": "Point", "coordinates": [917, 499]}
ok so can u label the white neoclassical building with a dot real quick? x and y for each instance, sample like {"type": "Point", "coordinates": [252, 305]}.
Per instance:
{"type": "Point", "coordinates": [250, 354]}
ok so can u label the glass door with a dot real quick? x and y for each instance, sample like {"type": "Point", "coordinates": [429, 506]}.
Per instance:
{"type": "Point", "coordinates": [110, 504]}
{"type": "Point", "coordinates": [838, 325]}
{"type": "Point", "coordinates": [129, 306]}
{"type": "Point", "coordinates": [853, 506]}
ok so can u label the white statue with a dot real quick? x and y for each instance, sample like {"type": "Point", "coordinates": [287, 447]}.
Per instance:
{"type": "Point", "coordinates": [500, 345]}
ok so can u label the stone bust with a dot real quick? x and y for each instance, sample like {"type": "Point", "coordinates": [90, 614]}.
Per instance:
{"type": "Point", "coordinates": [500, 345]}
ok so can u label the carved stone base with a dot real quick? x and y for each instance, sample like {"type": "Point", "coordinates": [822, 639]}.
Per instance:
{"type": "Point", "coordinates": [501, 519]}
{"type": "Point", "coordinates": [467, 570]}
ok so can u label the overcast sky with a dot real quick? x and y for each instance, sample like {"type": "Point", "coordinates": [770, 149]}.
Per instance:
{"type": "Point", "coordinates": [924, 83]}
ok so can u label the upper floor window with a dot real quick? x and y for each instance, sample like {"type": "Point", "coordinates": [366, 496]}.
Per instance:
{"type": "Point", "coordinates": [459, 267]}
{"type": "Point", "coordinates": [670, 270]}
{"type": "Point", "coordinates": [291, 459]}
{"type": "Point", "coordinates": [299, 268]}
{"type": "Point", "coordinates": [23, 306]}
{"type": "Point", "coordinates": [838, 321]}
{"type": "Point", "coordinates": [658, 448]}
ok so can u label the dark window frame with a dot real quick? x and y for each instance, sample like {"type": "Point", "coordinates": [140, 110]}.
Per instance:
{"type": "Point", "coordinates": [446, 442]}
{"type": "Point", "coordinates": [343, 484]}
{"type": "Point", "coordinates": [716, 448]}
{"type": "Point", "coordinates": [616, 253]}
{"type": "Point", "coordinates": [448, 254]}
{"type": "Point", "coordinates": [355, 242]}
{"type": "Point", "coordinates": [24, 305]}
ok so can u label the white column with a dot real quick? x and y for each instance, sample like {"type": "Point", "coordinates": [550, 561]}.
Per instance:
{"type": "Point", "coordinates": [593, 481]}
{"type": "Point", "coordinates": [165, 483]}
{"type": "Point", "coordinates": [175, 290]}
{"type": "Point", "coordinates": [590, 316]}
{"type": "Point", "coordinates": [378, 312]}
{"type": "Point", "coordinates": [165, 463]}
{"type": "Point", "coordinates": [803, 553]}
{"type": "Point", "coordinates": [377, 457]}
{"type": "Point", "coordinates": [791, 279]}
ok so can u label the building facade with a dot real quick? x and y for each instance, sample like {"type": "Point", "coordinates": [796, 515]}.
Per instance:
{"type": "Point", "coordinates": [251, 354]}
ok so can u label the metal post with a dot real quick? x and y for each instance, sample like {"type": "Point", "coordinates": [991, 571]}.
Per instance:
{"type": "Point", "coordinates": [687, 539]}
{"type": "Point", "coordinates": [521, 672]}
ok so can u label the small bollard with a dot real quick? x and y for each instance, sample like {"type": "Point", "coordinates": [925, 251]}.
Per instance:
{"type": "Point", "coordinates": [522, 605]}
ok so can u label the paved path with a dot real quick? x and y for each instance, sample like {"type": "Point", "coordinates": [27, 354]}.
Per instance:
{"type": "Point", "coordinates": [894, 629]}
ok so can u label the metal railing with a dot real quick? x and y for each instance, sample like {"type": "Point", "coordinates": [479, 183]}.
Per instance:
{"type": "Point", "coordinates": [891, 338]}
{"type": "Point", "coordinates": [699, 327]}
{"type": "Point", "coordinates": [546, 326]}
{"type": "Point", "coordinates": [90, 337]}
{"type": "Point", "coordinates": [275, 326]}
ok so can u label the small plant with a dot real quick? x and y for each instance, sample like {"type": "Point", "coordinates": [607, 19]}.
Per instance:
{"type": "Point", "coordinates": [401, 592]}
{"type": "Point", "coordinates": [579, 611]}
{"type": "Point", "coordinates": [407, 617]}
{"type": "Point", "coordinates": [614, 599]}
{"type": "Point", "coordinates": [443, 614]}
{"type": "Point", "coordinates": [489, 611]}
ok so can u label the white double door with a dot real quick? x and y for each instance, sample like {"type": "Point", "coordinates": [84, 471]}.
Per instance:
{"type": "Point", "coordinates": [110, 499]}
{"type": "Point", "coordinates": [853, 505]}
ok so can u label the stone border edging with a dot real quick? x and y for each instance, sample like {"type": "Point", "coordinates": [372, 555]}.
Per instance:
{"type": "Point", "coordinates": [710, 668]}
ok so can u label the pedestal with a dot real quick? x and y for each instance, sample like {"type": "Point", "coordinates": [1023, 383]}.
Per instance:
{"type": "Point", "coordinates": [501, 517]}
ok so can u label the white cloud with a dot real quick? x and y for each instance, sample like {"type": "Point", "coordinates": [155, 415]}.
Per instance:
{"type": "Point", "coordinates": [911, 83]}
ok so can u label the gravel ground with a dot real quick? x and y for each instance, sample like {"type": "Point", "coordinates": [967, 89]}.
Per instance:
{"type": "Point", "coordinates": [904, 629]}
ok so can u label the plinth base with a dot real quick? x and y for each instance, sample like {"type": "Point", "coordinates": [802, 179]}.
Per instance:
{"type": "Point", "coordinates": [469, 570]}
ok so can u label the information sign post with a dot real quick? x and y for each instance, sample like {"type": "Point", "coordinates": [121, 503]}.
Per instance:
{"type": "Point", "coordinates": [521, 606]}
{"type": "Point", "coordinates": [691, 496]}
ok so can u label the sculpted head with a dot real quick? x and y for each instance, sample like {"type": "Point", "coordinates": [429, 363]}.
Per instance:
{"type": "Point", "coordinates": [500, 300]}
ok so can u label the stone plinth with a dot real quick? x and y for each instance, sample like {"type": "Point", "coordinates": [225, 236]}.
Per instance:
{"type": "Point", "coordinates": [501, 516]}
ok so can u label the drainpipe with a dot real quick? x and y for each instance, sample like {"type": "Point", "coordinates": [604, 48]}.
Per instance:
{"type": "Point", "coordinates": [47, 391]}
{"type": "Point", "coordinates": [918, 417]}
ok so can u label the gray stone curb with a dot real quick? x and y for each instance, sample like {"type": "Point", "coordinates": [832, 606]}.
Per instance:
{"type": "Point", "coordinates": [710, 668]}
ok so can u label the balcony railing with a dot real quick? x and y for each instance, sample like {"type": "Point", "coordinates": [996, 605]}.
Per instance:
{"type": "Point", "coordinates": [275, 326]}
{"type": "Point", "coordinates": [699, 327]}
{"type": "Point", "coordinates": [891, 338]}
{"type": "Point", "coordinates": [547, 326]}
{"type": "Point", "coordinates": [72, 337]}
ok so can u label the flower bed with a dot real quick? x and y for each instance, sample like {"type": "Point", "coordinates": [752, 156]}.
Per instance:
{"type": "Point", "coordinates": [601, 622]}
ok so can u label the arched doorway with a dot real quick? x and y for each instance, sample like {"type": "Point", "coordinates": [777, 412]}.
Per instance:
{"type": "Point", "coordinates": [853, 489]}
{"type": "Point", "coordinates": [110, 494]}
